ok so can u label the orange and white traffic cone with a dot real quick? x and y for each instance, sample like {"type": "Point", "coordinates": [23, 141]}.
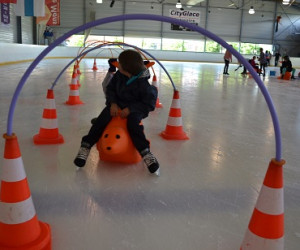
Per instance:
{"type": "Point", "coordinates": [74, 97]}
{"type": "Point", "coordinates": [266, 226]}
{"type": "Point", "coordinates": [95, 65]}
{"type": "Point", "coordinates": [19, 225]}
{"type": "Point", "coordinates": [49, 131]}
{"type": "Point", "coordinates": [154, 83]}
{"type": "Point", "coordinates": [174, 130]}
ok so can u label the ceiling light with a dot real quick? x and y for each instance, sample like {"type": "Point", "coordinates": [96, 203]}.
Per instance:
{"type": "Point", "coordinates": [285, 2]}
{"type": "Point", "coordinates": [98, 1]}
{"type": "Point", "coordinates": [251, 11]}
{"type": "Point", "coordinates": [178, 5]}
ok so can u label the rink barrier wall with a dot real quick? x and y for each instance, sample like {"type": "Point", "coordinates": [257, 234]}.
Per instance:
{"type": "Point", "coordinates": [27, 53]}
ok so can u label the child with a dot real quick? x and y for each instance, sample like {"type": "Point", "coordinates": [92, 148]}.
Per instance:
{"type": "Point", "coordinates": [109, 75]}
{"type": "Point", "coordinates": [129, 95]}
{"type": "Point", "coordinates": [287, 66]}
{"type": "Point", "coordinates": [254, 64]}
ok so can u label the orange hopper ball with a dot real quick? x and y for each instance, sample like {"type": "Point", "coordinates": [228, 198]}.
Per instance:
{"type": "Point", "coordinates": [115, 144]}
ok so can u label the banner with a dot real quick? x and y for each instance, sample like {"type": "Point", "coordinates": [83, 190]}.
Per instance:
{"type": "Point", "coordinates": [189, 16]}
{"type": "Point", "coordinates": [30, 8]}
{"type": "Point", "coordinates": [52, 14]}
{"type": "Point", "coordinates": [5, 16]}
{"type": "Point", "coordinates": [8, 1]}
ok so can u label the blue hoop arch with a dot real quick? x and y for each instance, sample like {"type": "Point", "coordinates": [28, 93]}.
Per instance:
{"type": "Point", "coordinates": [160, 19]}
{"type": "Point", "coordinates": [112, 44]}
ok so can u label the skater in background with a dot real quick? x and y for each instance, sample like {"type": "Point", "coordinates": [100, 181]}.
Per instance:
{"type": "Point", "coordinates": [227, 60]}
{"type": "Point", "coordinates": [268, 57]}
{"type": "Point", "coordinates": [262, 62]}
{"type": "Point", "coordinates": [277, 57]}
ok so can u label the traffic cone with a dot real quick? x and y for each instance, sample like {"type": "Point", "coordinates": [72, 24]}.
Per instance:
{"type": "Point", "coordinates": [154, 83]}
{"type": "Point", "coordinates": [49, 131]}
{"type": "Point", "coordinates": [19, 225]}
{"type": "Point", "coordinates": [95, 65]}
{"type": "Point", "coordinates": [266, 226]}
{"type": "Point", "coordinates": [74, 97]}
{"type": "Point", "coordinates": [174, 130]}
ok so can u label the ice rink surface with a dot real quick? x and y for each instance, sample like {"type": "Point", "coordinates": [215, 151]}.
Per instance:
{"type": "Point", "coordinates": [209, 184]}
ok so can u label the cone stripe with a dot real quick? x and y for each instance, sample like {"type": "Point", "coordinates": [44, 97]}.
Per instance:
{"type": "Point", "coordinates": [14, 191]}
{"type": "Point", "coordinates": [50, 94]}
{"type": "Point", "coordinates": [175, 112]}
{"type": "Point", "coordinates": [154, 83]}
{"type": "Point", "coordinates": [174, 121]}
{"type": "Point", "coordinates": [174, 130]}
{"type": "Point", "coordinates": [23, 234]}
{"type": "Point", "coordinates": [176, 94]}
{"type": "Point", "coordinates": [49, 104]}
{"type": "Point", "coordinates": [74, 87]}
{"type": "Point", "coordinates": [261, 243]}
{"type": "Point", "coordinates": [74, 93]}
{"type": "Point", "coordinates": [176, 104]}
{"type": "Point", "coordinates": [270, 201]}
{"type": "Point", "coordinates": [49, 114]}
{"type": "Point", "coordinates": [49, 123]}
{"type": "Point", "coordinates": [15, 213]}
{"type": "Point", "coordinates": [74, 81]}
{"type": "Point", "coordinates": [12, 149]}
{"type": "Point", "coordinates": [13, 170]}
{"type": "Point", "coordinates": [267, 226]}
{"type": "Point", "coordinates": [274, 176]}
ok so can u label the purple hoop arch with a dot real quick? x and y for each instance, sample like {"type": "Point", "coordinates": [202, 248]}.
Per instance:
{"type": "Point", "coordinates": [112, 44]}
{"type": "Point", "coordinates": [160, 19]}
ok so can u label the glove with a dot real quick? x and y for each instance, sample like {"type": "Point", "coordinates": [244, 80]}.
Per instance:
{"type": "Point", "coordinates": [112, 68]}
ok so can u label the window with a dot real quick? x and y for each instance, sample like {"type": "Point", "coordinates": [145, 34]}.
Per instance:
{"type": "Point", "coordinates": [253, 49]}
{"type": "Point", "coordinates": [93, 39]}
{"type": "Point", "coordinates": [151, 43]}
{"type": "Point", "coordinates": [168, 44]}
{"type": "Point", "coordinates": [172, 44]}
{"type": "Point", "coordinates": [113, 39]}
{"type": "Point", "coordinates": [138, 42]}
{"type": "Point", "coordinates": [75, 41]}
{"type": "Point", "coordinates": [235, 45]}
{"type": "Point", "coordinates": [193, 45]}
{"type": "Point", "coordinates": [212, 46]}
{"type": "Point", "coordinates": [248, 48]}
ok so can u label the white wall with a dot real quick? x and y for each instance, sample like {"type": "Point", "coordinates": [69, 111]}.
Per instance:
{"type": "Point", "coordinates": [30, 52]}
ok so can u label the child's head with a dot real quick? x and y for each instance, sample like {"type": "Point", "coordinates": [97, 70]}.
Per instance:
{"type": "Point", "coordinates": [286, 58]}
{"type": "Point", "coordinates": [131, 61]}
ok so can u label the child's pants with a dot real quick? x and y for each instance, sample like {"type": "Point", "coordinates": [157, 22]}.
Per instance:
{"type": "Point", "coordinates": [284, 70]}
{"type": "Point", "coordinates": [135, 129]}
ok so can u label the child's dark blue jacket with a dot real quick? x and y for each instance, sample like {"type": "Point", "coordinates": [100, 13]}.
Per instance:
{"type": "Point", "coordinates": [139, 96]}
